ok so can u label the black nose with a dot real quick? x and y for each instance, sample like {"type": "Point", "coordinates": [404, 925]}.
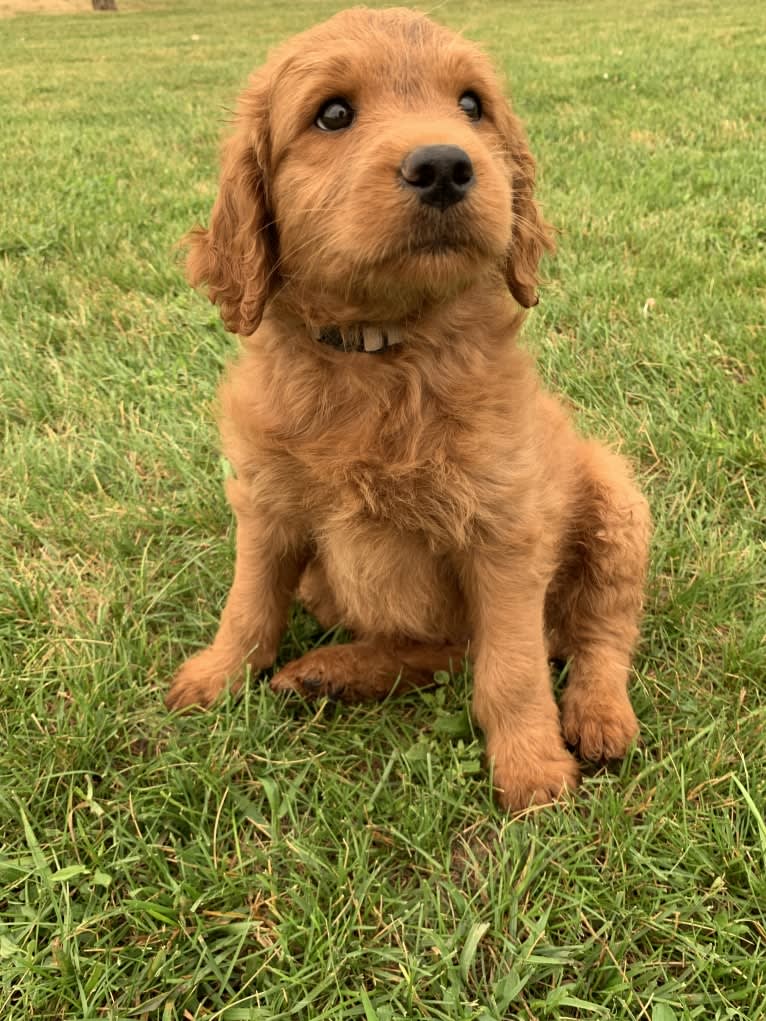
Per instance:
{"type": "Point", "coordinates": [441, 175]}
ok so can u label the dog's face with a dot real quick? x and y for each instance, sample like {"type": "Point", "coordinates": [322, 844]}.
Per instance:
{"type": "Point", "coordinates": [376, 166]}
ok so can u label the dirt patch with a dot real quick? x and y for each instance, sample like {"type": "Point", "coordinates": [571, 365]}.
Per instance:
{"type": "Point", "coordinates": [11, 7]}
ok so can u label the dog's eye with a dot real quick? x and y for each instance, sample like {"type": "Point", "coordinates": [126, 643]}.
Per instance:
{"type": "Point", "coordinates": [334, 115]}
{"type": "Point", "coordinates": [470, 104]}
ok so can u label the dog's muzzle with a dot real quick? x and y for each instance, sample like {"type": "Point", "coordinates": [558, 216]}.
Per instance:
{"type": "Point", "coordinates": [440, 175]}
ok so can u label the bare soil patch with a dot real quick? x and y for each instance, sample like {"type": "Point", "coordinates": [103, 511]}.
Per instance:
{"type": "Point", "coordinates": [11, 7]}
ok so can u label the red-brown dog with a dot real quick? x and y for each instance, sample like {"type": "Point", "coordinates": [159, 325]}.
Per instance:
{"type": "Point", "coordinates": [375, 240]}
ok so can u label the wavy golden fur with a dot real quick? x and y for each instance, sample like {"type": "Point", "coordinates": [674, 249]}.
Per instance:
{"type": "Point", "coordinates": [431, 497]}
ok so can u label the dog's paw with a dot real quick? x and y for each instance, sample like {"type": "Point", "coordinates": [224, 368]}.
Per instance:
{"type": "Point", "coordinates": [522, 782]}
{"type": "Point", "coordinates": [308, 678]}
{"type": "Point", "coordinates": [199, 682]}
{"type": "Point", "coordinates": [602, 728]}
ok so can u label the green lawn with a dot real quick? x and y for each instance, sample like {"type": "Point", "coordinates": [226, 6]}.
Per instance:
{"type": "Point", "coordinates": [270, 860]}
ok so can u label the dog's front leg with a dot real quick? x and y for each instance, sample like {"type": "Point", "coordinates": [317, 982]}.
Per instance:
{"type": "Point", "coordinates": [269, 560]}
{"type": "Point", "coordinates": [513, 698]}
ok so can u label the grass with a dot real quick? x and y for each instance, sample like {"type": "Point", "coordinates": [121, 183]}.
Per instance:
{"type": "Point", "coordinates": [274, 861]}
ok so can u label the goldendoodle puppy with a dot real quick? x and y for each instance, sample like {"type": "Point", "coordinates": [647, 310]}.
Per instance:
{"type": "Point", "coordinates": [375, 242]}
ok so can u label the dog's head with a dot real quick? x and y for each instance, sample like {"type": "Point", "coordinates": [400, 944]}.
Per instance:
{"type": "Point", "coordinates": [375, 166]}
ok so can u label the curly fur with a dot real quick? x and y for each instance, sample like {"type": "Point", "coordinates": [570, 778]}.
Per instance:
{"type": "Point", "coordinates": [432, 498]}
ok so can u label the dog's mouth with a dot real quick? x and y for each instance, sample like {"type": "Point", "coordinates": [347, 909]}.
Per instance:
{"type": "Point", "coordinates": [440, 243]}
{"type": "Point", "coordinates": [434, 246]}
{"type": "Point", "coordinates": [453, 233]}
{"type": "Point", "coordinates": [428, 260]}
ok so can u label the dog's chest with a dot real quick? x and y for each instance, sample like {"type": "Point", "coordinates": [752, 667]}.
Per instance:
{"type": "Point", "coordinates": [398, 455]}
{"type": "Point", "coordinates": [429, 496]}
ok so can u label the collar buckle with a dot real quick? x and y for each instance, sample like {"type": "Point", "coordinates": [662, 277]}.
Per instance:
{"type": "Point", "coordinates": [357, 338]}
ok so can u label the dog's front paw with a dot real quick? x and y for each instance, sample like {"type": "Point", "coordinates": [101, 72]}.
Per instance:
{"type": "Point", "coordinates": [309, 677]}
{"type": "Point", "coordinates": [603, 727]}
{"type": "Point", "coordinates": [523, 780]}
{"type": "Point", "coordinates": [199, 682]}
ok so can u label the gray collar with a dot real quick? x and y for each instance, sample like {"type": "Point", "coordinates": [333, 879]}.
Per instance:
{"type": "Point", "coordinates": [357, 338]}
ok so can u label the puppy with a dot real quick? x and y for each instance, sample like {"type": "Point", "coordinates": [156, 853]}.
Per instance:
{"type": "Point", "coordinates": [375, 242]}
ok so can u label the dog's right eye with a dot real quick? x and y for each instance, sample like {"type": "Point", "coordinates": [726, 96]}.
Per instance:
{"type": "Point", "coordinates": [334, 115]}
{"type": "Point", "coordinates": [470, 104]}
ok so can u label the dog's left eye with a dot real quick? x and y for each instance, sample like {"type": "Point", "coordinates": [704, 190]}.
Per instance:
{"type": "Point", "coordinates": [470, 104]}
{"type": "Point", "coordinates": [334, 115]}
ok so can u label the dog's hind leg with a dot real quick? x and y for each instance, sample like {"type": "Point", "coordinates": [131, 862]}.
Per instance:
{"type": "Point", "coordinates": [316, 595]}
{"type": "Point", "coordinates": [366, 671]}
{"type": "Point", "coordinates": [594, 605]}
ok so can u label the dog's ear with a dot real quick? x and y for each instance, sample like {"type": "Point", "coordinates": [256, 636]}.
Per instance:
{"type": "Point", "coordinates": [531, 235]}
{"type": "Point", "coordinates": [234, 255]}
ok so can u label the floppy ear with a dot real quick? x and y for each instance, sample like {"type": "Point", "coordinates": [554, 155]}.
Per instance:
{"type": "Point", "coordinates": [234, 255]}
{"type": "Point", "coordinates": [531, 235]}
